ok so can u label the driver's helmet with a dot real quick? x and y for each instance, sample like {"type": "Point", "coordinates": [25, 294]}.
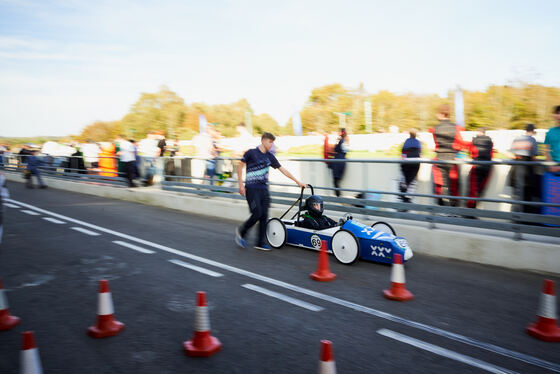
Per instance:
{"type": "Point", "coordinates": [314, 205]}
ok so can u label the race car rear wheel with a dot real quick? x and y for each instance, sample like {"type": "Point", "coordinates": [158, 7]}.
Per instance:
{"type": "Point", "coordinates": [383, 227]}
{"type": "Point", "coordinates": [276, 233]}
{"type": "Point", "coordinates": [345, 247]}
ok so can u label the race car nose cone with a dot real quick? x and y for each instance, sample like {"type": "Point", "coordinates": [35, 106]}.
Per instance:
{"type": "Point", "coordinates": [408, 254]}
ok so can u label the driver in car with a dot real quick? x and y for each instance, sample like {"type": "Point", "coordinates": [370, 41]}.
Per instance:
{"type": "Point", "coordinates": [314, 218]}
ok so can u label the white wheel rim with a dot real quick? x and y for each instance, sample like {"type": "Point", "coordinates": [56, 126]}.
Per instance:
{"type": "Point", "coordinates": [275, 233]}
{"type": "Point", "coordinates": [344, 247]}
{"type": "Point", "coordinates": [383, 227]}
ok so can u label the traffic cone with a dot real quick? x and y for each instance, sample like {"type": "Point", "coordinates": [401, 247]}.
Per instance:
{"type": "Point", "coordinates": [546, 328]}
{"type": "Point", "coordinates": [203, 344]}
{"type": "Point", "coordinates": [106, 323]}
{"type": "Point", "coordinates": [326, 363]}
{"type": "Point", "coordinates": [323, 272]}
{"type": "Point", "coordinates": [398, 289]}
{"type": "Point", "coordinates": [30, 363]}
{"type": "Point", "coordinates": [7, 321]}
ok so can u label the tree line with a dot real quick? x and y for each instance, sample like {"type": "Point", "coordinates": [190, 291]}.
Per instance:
{"type": "Point", "coordinates": [498, 107]}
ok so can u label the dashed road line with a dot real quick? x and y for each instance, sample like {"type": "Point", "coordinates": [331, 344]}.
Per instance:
{"type": "Point", "coordinates": [283, 297]}
{"type": "Point", "coordinates": [348, 304]}
{"type": "Point", "coordinates": [85, 231]}
{"type": "Point", "coordinates": [54, 220]}
{"type": "Point", "coordinates": [444, 352]}
{"type": "Point", "coordinates": [12, 205]}
{"type": "Point", "coordinates": [196, 268]}
{"type": "Point", "coordinates": [30, 212]}
{"type": "Point", "coordinates": [135, 247]}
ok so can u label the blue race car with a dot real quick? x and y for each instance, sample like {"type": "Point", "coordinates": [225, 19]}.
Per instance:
{"type": "Point", "coordinates": [348, 241]}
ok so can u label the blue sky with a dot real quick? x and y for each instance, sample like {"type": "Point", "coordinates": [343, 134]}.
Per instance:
{"type": "Point", "coordinates": [65, 64]}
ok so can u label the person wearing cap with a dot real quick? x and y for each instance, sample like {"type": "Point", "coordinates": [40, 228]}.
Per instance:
{"type": "Point", "coordinates": [525, 148]}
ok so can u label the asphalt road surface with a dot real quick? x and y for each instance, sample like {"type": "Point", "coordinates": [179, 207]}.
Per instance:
{"type": "Point", "coordinates": [267, 312]}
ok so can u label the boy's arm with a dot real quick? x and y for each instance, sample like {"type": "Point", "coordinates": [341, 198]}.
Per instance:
{"type": "Point", "coordinates": [240, 177]}
{"type": "Point", "coordinates": [289, 175]}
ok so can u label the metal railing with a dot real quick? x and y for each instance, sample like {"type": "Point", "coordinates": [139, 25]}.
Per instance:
{"type": "Point", "coordinates": [515, 222]}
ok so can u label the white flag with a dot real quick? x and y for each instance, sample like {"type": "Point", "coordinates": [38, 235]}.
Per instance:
{"type": "Point", "coordinates": [296, 124]}
{"type": "Point", "coordinates": [202, 123]}
{"type": "Point", "coordinates": [459, 108]}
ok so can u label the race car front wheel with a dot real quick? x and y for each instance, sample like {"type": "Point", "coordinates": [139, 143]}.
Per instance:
{"type": "Point", "coordinates": [383, 227]}
{"type": "Point", "coordinates": [344, 246]}
{"type": "Point", "coordinates": [276, 232]}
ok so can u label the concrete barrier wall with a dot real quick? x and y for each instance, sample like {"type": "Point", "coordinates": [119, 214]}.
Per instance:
{"type": "Point", "coordinates": [490, 249]}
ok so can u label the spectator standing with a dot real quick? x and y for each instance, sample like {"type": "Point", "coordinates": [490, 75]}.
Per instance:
{"type": "Point", "coordinates": [258, 161]}
{"type": "Point", "coordinates": [481, 149]}
{"type": "Point", "coordinates": [243, 142]}
{"type": "Point", "coordinates": [91, 154]}
{"type": "Point", "coordinates": [338, 168]}
{"type": "Point", "coordinates": [412, 148]}
{"type": "Point", "coordinates": [552, 141]}
{"type": "Point", "coordinates": [523, 178]}
{"type": "Point", "coordinates": [127, 156]}
{"type": "Point", "coordinates": [448, 141]}
{"type": "Point", "coordinates": [150, 151]}
{"type": "Point", "coordinates": [33, 164]}
{"type": "Point", "coordinates": [162, 144]}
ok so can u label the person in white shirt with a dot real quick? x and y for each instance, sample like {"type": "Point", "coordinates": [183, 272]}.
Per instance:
{"type": "Point", "coordinates": [91, 153]}
{"type": "Point", "coordinates": [127, 155]}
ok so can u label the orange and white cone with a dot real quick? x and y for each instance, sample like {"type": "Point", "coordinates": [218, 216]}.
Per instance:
{"type": "Point", "coordinates": [546, 328]}
{"type": "Point", "coordinates": [398, 289]}
{"type": "Point", "coordinates": [323, 272]}
{"type": "Point", "coordinates": [106, 323]}
{"type": "Point", "coordinates": [30, 363]}
{"type": "Point", "coordinates": [326, 363]}
{"type": "Point", "coordinates": [203, 344]}
{"type": "Point", "coordinates": [7, 321]}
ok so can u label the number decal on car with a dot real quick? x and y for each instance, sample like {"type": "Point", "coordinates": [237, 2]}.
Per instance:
{"type": "Point", "coordinates": [315, 241]}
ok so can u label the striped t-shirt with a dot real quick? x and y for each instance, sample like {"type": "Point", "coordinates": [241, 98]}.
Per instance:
{"type": "Point", "coordinates": [258, 164]}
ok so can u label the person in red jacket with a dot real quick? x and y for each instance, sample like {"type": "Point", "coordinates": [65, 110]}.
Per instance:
{"type": "Point", "coordinates": [448, 141]}
{"type": "Point", "coordinates": [481, 149]}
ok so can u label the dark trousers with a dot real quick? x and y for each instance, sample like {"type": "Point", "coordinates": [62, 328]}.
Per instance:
{"type": "Point", "coordinates": [129, 170]}
{"type": "Point", "coordinates": [259, 201]}
{"type": "Point", "coordinates": [478, 179]}
{"type": "Point", "coordinates": [409, 172]}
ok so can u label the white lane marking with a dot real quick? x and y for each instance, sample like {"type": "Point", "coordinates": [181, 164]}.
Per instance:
{"type": "Point", "coordinates": [85, 231]}
{"type": "Point", "coordinates": [444, 352]}
{"type": "Point", "coordinates": [348, 304]}
{"type": "Point", "coordinates": [132, 246]}
{"type": "Point", "coordinates": [196, 268]}
{"type": "Point", "coordinates": [11, 205]}
{"type": "Point", "coordinates": [53, 220]}
{"type": "Point", "coordinates": [30, 212]}
{"type": "Point", "coordinates": [283, 297]}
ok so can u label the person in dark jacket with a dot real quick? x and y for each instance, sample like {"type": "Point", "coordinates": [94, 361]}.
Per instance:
{"type": "Point", "coordinates": [481, 149]}
{"type": "Point", "coordinates": [340, 150]}
{"type": "Point", "coordinates": [410, 149]}
{"type": "Point", "coordinates": [314, 218]}
{"type": "Point", "coordinates": [33, 164]}
{"type": "Point", "coordinates": [448, 141]}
